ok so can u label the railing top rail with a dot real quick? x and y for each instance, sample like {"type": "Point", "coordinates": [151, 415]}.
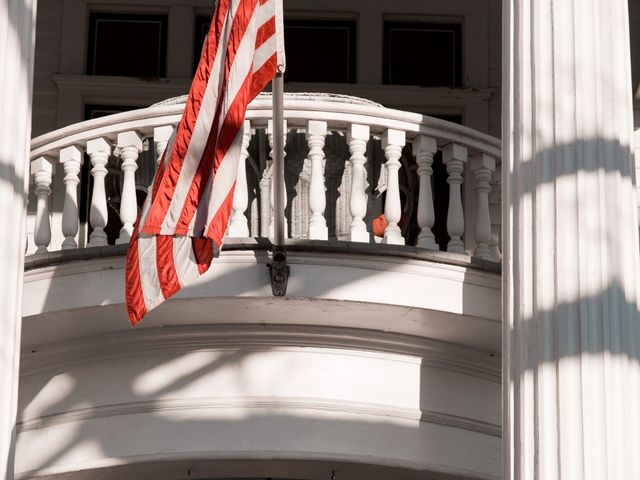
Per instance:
{"type": "Point", "coordinates": [338, 112]}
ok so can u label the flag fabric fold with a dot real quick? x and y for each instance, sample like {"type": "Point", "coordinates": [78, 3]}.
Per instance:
{"type": "Point", "coordinates": [183, 221]}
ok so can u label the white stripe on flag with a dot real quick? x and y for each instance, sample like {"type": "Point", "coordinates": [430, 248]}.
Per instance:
{"type": "Point", "coordinates": [185, 260]}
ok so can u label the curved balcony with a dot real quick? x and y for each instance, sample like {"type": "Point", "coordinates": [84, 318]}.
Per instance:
{"type": "Point", "coordinates": [381, 361]}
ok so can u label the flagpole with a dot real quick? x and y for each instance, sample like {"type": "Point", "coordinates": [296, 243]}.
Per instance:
{"type": "Point", "coordinates": [279, 269]}
{"type": "Point", "coordinates": [278, 160]}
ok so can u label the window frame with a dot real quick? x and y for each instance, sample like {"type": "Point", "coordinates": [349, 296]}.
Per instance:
{"type": "Point", "coordinates": [458, 61]}
{"type": "Point", "coordinates": [91, 44]}
{"type": "Point", "coordinates": [352, 56]}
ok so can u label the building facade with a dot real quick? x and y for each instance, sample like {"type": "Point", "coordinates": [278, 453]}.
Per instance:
{"type": "Point", "coordinates": [489, 330]}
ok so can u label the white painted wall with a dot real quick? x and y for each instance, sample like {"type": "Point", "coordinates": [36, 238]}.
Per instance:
{"type": "Point", "coordinates": [259, 392]}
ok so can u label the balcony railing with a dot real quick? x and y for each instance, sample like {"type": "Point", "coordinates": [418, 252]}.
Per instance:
{"type": "Point", "coordinates": [348, 161]}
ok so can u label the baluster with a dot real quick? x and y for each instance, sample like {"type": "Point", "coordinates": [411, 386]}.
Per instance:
{"type": "Point", "coordinates": [161, 136]}
{"type": "Point", "coordinates": [42, 170]}
{"type": "Point", "coordinates": [357, 137]}
{"type": "Point", "coordinates": [71, 159]}
{"type": "Point", "coordinates": [271, 194]}
{"type": "Point", "coordinates": [316, 134]}
{"type": "Point", "coordinates": [129, 147]}
{"type": "Point", "coordinates": [483, 166]}
{"type": "Point", "coordinates": [424, 148]}
{"type": "Point", "coordinates": [265, 202]}
{"type": "Point", "coordinates": [392, 143]}
{"type": "Point", "coordinates": [495, 207]}
{"type": "Point", "coordinates": [454, 157]}
{"type": "Point", "coordinates": [238, 224]}
{"type": "Point", "coordinates": [98, 150]}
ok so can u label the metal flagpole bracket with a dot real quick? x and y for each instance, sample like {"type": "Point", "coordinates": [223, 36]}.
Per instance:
{"type": "Point", "coordinates": [279, 272]}
{"type": "Point", "coordinates": [278, 268]}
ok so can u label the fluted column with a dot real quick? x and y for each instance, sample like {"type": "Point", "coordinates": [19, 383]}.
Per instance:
{"type": "Point", "coordinates": [483, 166]}
{"type": "Point", "coordinates": [357, 138]}
{"type": "Point", "coordinates": [570, 252]}
{"type": "Point", "coordinates": [454, 157]}
{"type": "Point", "coordinates": [424, 148]}
{"type": "Point", "coordinates": [238, 224]}
{"type": "Point", "coordinates": [129, 147]}
{"type": "Point", "coordinates": [98, 150]}
{"type": "Point", "coordinates": [316, 134]}
{"type": "Point", "coordinates": [392, 143]}
{"type": "Point", "coordinates": [271, 191]}
{"type": "Point", "coordinates": [17, 34]}
{"type": "Point", "coordinates": [42, 170]}
{"type": "Point", "coordinates": [71, 160]}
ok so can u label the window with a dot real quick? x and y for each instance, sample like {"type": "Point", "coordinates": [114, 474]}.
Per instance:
{"type": "Point", "coordinates": [320, 51]}
{"type": "Point", "coordinates": [97, 111]}
{"type": "Point", "coordinates": [425, 54]}
{"type": "Point", "coordinates": [127, 45]}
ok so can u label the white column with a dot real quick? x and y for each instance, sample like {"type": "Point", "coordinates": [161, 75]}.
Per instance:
{"type": "Point", "coordinates": [71, 159]}
{"type": "Point", "coordinates": [129, 147]}
{"type": "Point", "coordinates": [98, 150]}
{"type": "Point", "coordinates": [454, 157]}
{"type": "Point", "coordinates": [570, 249]}
{"type": "Point", "coordinates": [42, 170]}
{"type": "Point", "coordinates": [392, 143]}
{"type": "Point", "coordinates": [238, 224]}
{"type": "Point", "coordinates": [483, 166]}
{"type": "Point", "coordinates": [357, 138]}
{"type": "Point", "coordinates": [271, 192]}
{"type": "Point", "coordinates": [316, 134]}
{"type": "Point", "coordinates": [424, 148]}
{"type": "Point", "coordinates": [17, 34]}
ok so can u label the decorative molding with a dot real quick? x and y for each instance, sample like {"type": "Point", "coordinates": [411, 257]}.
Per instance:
{"type": "Point", "coordinates": [270, 404]}
{"type": "Point", "coordinates": [255, 338]}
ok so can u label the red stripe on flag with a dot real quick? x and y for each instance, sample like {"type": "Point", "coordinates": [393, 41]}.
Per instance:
{"type": "Point", "coordinates": [136, 308]}
{"type": "Point", "coordinates": [266, 31]}
{"type": "Point", "coordinates": [167, 275]}
{"type": "Point", "coordinates": [263, 76]}
{"type": "Point", "coordinates": [203, 251]}
{"type": "Point", "coordinates": [218, 225]}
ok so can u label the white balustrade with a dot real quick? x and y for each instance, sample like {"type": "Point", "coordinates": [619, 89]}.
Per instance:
{"type": "Point", "coordinates": [71, 159]}
{"type": "Point", "coordinates": [454, 157]}
{"type": "Point", "coordinates": [129, 147]}
{"type": "Point", "coordinates": [357, 138]}
{"type": "Point", "coordinates": [483, 167]}
{"type": "Point", "coordinates": [271, 190]}
{"type": "Point", "coordinates": [424, 148]}
{"type": "Point", "coordinates": [238, 223]}
{"type": "Point", "coordinates": [42, 170]}
{"type": "Point", "coordinates": [316, 119]}
{"type": "Point", "coordinates": [99, 151]}
{"type": "Point", "coordinates": [316, 134]}
{"type": "Point", "coordinates": [392, 143]}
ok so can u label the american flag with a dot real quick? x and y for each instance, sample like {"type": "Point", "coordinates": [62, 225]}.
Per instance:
{"type": "Point", "coordinates": [182, 223]}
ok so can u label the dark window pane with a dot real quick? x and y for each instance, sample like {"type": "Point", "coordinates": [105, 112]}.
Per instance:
{"type": "Point", "coordinates": [320, 51]}
{"type": "Point", "coordinates": [127, 45]}
{"type": "Point", "coordinates": [425, 54]}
